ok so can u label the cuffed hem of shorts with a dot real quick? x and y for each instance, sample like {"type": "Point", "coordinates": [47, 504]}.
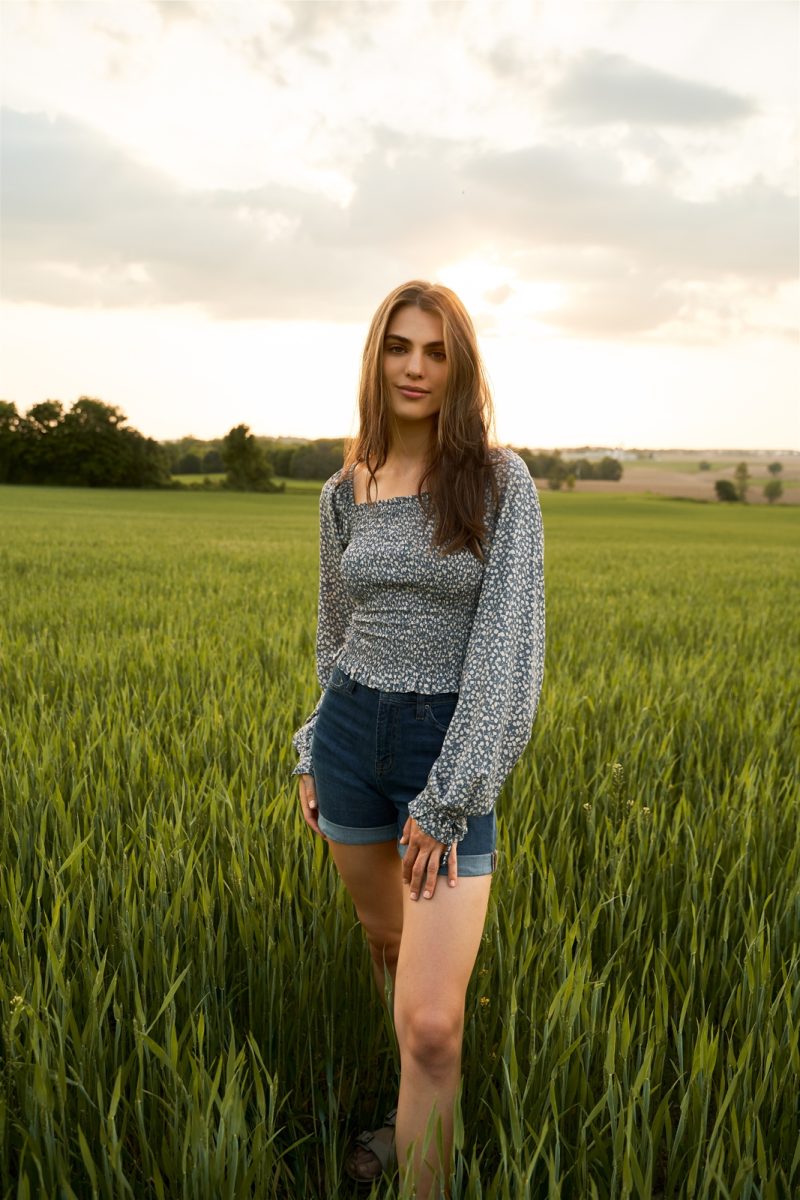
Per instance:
{"type": "Point", "coordinates": [468, 865]}
{"type": "Point", "coordinates": [357, 837]}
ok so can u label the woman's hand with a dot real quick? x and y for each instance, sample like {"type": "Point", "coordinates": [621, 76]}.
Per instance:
{"type": "Point", "coordinates": [308, 802]}
{"type": "Point", "coordinates": [423, 858]}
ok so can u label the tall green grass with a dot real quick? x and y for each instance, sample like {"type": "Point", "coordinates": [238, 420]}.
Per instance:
{"type": "Point", "coordinates": [185, 998]}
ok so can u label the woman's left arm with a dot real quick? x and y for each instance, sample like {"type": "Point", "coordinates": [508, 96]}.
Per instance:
{"type": "Point", "coordinates": [502, 674]}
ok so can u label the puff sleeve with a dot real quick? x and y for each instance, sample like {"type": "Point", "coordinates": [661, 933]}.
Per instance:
{"type": "Point", "coordinates": [334, 611]}
{"type": "Point", "coordinates": [501, 677]}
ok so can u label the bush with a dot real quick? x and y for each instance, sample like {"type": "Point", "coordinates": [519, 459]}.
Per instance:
{"type": "Point", "coordinates": [742, 477]}
{"type": "Point", "coordinates": [726, 490]}
{"type": "Point", "coordinates": [773, 490]}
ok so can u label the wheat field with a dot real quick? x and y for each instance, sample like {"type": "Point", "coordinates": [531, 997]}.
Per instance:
{"type": "Point", "coordinates": [186, 1000]}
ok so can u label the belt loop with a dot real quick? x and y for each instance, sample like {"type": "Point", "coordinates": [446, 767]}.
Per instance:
{"type": "Point", "coordinates": [420, 706]}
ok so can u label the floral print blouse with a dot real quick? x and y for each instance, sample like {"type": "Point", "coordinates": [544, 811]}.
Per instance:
{"type": "Point", "coordinates": [397, 615]}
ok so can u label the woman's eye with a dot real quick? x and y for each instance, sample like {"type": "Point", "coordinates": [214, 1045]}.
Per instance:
{"type": "Point", "coordinates": [439, 355]}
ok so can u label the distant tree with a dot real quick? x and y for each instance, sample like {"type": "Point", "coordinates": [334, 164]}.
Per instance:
{"type": "Point", "coordinates": [318, 459]}
{"type": "Point", "coordinates": [742, 478]}
{"type": "Point", "coordinates": [609, 468]}
{"type": "Point", "coordinates": [281, 458]}
{"type": "Point", "coordinates": [775, 468]}
{"type": "Point", "coordinates": [583, 468]}
{"type": "Point", "coordinates": [247, 466]}
{"type": "Point", "coordinates": [556, 474]}
{"type": "Point", "coordinates": [703, 465]}
{"type": "Point", "coordinates": [570, 482]}
{"type": "Point", "coordinates": [190, 464]}
{"type": "Point", "coordinates": [42, 453]}
{"type": "Point", "coordinates": [143, 462]}
{"type": "Point", "coordinates": [726, 490]}
{"type": "Point", "coordinates": [92, 444]}
{"type": "Point", "coordinates": [9, 439]}
{"type": "Point", "coordinates": [773, 490]}
{"type": "Point", "coordinates": [212, 462]}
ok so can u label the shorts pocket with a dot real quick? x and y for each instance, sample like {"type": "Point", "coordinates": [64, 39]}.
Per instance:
{"type": "Point", "coordinates": [440, 713]}
{"type": "Point", "coordinates": [339, 682]}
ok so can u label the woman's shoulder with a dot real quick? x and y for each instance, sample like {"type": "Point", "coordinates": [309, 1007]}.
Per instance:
{"type": "Point", "coordinates": [334, 483]}
{"type": "Point", "coordinates": [510, 468]}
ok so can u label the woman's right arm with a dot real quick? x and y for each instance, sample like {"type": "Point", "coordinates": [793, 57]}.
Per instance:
{"type": "Point", "coordinates": [334, 611]}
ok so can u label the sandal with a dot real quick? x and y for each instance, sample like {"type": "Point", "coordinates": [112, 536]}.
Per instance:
{"type": "Point", "coordinates": [373, 1152]}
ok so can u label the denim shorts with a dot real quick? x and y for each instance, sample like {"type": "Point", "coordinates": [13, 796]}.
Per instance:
{"type": "Point", "coordinates": [371, 754]}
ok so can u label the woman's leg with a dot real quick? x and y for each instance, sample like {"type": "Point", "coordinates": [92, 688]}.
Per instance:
{"type": "Point", "coordinates": [373, 875]}
{"type": "Point", "coordinates": [439, 946]}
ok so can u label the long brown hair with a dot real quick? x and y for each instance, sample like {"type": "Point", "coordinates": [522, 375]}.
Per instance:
{"type": "Point", "coordinates": [459, 466]}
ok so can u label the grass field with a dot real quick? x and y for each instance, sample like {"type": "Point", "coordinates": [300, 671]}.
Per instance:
{"type": "Point", "coordinates": [186, 1001]}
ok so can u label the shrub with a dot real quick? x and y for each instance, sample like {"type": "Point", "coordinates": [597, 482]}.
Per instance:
{"type": "Point", "coordinates": [725, 490]}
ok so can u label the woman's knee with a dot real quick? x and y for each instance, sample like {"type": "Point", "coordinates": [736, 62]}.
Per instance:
{"type": "Point", "coordinates": [431, 1034]}
{"type": "Point", "coordinates": [384, 946]}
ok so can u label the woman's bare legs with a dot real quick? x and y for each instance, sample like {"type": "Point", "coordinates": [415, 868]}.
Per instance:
{"type": "Point", "coordinates": [440, 943]}
{"type": "Point", "coordinates": [429, 948]}
{"type": "Point", "coordinates": [373, 877]}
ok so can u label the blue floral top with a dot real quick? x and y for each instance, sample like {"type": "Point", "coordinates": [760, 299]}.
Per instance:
{"type": "Point", "coordinates": [397, 615]}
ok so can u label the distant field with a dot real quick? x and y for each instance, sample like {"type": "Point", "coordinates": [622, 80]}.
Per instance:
{"type": "Point", "coordinates": [187, 1006]}
{"type": "Point", "coordinates": [199, 478]}
{"type": "Point", "coordinates": [300, 486]}
{"type": "Point", "coordinates": [682, 478]}
{"type": "Point", "coordinates": [679, 478]}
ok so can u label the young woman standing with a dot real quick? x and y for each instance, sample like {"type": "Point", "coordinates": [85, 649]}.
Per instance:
{"type": "Point", "coordinates": [430, 652]}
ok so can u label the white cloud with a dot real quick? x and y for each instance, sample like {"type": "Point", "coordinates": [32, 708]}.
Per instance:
{"type": "Point", "coordinates": [78, 213]}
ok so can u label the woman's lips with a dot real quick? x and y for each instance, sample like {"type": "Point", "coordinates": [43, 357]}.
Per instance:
{"type": "Point", "coordinates": [413, 392]}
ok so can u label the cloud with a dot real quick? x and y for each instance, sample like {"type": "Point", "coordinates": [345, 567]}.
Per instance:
{"type": "Point", "coordinates": [598, 88]}
{"type": "Point", "coordinates": [84, 224]}
{"type": "Point", "coordinates": [578, 197]}
{"type": "Point", "coordinates": [174, 11]}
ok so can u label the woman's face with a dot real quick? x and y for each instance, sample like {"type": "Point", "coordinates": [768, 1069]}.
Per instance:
{"type": "Point", "coordinates": [414, 363]}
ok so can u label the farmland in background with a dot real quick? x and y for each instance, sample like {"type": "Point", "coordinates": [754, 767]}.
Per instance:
{"type": "Point", "coordinates": [670, 475]}
{"type": "Point", "coordinates": [185, 996]}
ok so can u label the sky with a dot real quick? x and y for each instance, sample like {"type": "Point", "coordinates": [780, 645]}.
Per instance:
{"type": "Point", "coordinates": [204, 203]}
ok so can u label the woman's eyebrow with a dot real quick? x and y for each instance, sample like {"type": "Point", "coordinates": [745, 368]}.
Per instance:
{"type": "Point", "coordinates": [399, 338]}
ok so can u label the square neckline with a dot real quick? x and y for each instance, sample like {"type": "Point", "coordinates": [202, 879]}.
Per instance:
{"type": "Point", "coordinates": [384, 500]}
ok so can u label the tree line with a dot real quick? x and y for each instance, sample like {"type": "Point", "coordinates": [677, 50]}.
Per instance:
{"type": "Point", "coordinates": [87, 446]}
{"type": "Point", "coordinates": [91, 445]}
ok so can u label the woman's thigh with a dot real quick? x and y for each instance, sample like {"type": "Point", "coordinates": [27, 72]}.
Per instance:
{"type": "Point", "coordinates": [440, 943]}
{"type": "Point", "coordinates": [373, 875]}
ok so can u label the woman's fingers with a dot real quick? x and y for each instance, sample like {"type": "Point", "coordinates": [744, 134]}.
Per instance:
{"type": "Point", "coordinates": [426, 867]}
{"type": "Point", "coordinates": [308, 803]}
{"type": "Point", "coordinates": [406, 832]}
{"type": "Point", "coordinates": [409, 858]}
{"type": "Point", "coordinates": [421, 860]}
{"type": "Point", "coordinates": [452, 866]}
{"type": "Point", "coordinates": [432, 875]}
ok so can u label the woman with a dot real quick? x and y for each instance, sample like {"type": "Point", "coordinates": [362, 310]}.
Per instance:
{"type": "Point", "coordinates": [430, 649]}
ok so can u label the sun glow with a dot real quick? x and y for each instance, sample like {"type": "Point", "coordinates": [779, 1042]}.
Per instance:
{"type": "Point", "coordinates": [498, 300]}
